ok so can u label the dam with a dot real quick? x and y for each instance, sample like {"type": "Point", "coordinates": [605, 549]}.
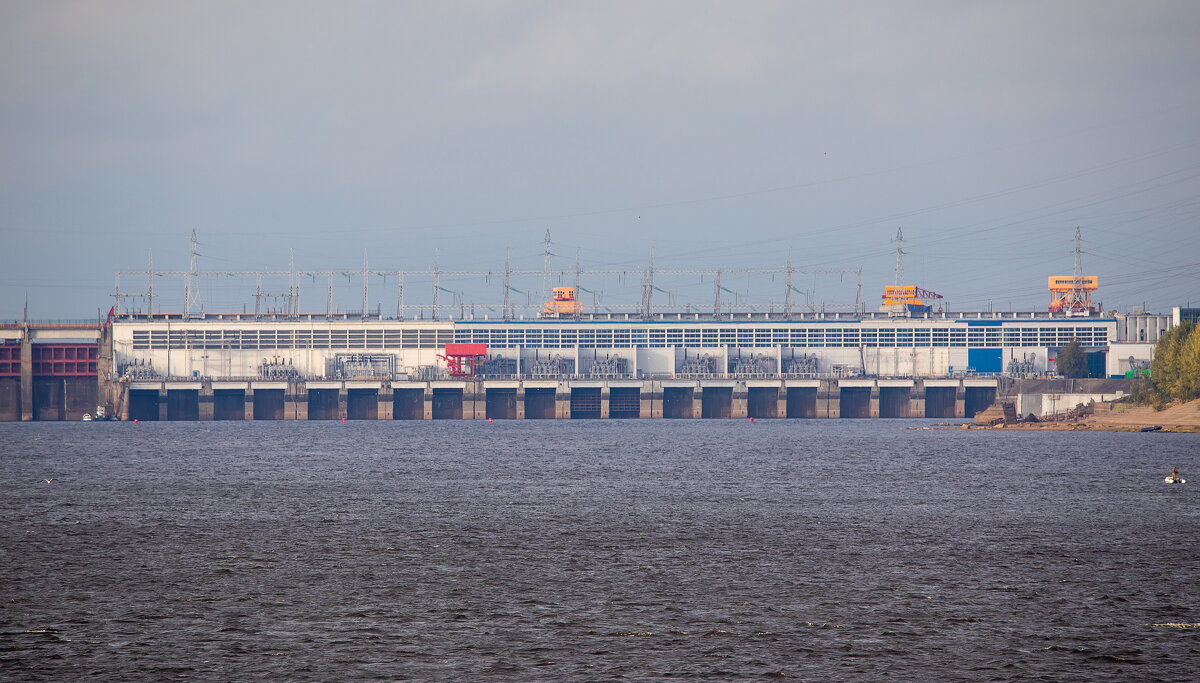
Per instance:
{"type": "Point", "coordinates": [586, 366]}
{"type": "Point", "coordinates": [504, 360]}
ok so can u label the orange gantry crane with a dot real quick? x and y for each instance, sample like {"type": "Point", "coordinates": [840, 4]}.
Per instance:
{"type": "Point", "coordinates": [1072, 293]}
{"type": "Point", "coordinates": [563, 302]}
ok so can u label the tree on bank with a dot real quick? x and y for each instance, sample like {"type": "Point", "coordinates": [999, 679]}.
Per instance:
{"type": "Point", "coordinates": [1175, 370]}
{"type": "Point", "coordinates": [1072, 360]}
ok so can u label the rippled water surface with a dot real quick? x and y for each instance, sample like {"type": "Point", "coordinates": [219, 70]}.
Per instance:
{"type": "Point", "coordinates": [595, 550]}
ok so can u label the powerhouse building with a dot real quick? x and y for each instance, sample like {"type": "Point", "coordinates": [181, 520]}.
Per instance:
{"type": "Point", "coordinates": [668, 345]}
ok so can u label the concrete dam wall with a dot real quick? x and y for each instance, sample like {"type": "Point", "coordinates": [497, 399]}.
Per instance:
{"type": "Point", "coordinates": [551, 399]}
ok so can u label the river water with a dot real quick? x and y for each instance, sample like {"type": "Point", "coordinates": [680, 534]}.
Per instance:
{"type": "Point", "coordinates": [595, 550]}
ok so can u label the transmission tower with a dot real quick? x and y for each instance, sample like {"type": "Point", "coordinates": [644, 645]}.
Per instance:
{"type": "Point", "coordinates": [150, 282]}
{"type": "Point", "coordinates": [546, 244]}
{"type": "Point", "coordinates": [191, 294]}
{"type": "Point", "coordinates": [578, 309]}
{"type": "Point", "coordinates": [717, 294]}
{"type": "Point", "coordinates": [366, 278]}
{"type": "Point", "coordinates": [1079, 298]}
{"type": "Point", "coordinates": [648, 287]}
{"type": "Point", "coordinates": [437, 284]}
{"type": "Point", "coordinates": [506, 312]}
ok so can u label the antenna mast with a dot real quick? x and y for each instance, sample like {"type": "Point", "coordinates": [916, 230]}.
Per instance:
{"type": "Point", "coordinates": [899, 256]}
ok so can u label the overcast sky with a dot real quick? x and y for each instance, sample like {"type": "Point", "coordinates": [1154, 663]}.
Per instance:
{"type": "Point", "coordinates": [717, 134]}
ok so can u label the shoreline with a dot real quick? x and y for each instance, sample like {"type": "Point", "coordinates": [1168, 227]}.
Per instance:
{"type": "Point", "coordinates": [1085, 427]}
{"type": "Point", "coordinates": [1182, 418]}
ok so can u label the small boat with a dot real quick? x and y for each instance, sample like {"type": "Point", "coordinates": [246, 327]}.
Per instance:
{"type": "Point", "coordinates": [1175, 480]}
{"type": "Point", "coordinates": [1155, 428]}
{"type": "Point", "coordinates": [101, 415]}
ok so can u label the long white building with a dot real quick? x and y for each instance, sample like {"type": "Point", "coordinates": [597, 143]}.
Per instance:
{"type": "Point", "coordinates": [814, 344]}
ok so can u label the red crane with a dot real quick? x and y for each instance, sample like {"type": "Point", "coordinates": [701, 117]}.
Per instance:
{"type": "Point", "coordinates": [461, 359]}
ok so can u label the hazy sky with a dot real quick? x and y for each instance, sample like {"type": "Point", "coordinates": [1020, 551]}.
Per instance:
{"type": "Point", "coordinates": [718, 134]}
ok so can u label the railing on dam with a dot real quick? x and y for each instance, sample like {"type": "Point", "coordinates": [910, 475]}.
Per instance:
{"type": "Point", "coordinates": [52, 324]}
{"type": "Point", "coordinates": [569, 377]}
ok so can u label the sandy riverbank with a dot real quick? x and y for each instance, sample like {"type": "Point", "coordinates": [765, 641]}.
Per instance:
{"type": "Point", "coordinates": [1122, 417]}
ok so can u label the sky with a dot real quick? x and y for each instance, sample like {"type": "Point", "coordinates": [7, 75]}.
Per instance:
{"type": "Point", "coordinates": [710, 135]}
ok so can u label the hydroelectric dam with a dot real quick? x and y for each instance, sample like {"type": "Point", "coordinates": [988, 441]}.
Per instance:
{"type": "Point", "coordinates": [564, 358]}
{"type": "Point", "coordinates": [293, 366]}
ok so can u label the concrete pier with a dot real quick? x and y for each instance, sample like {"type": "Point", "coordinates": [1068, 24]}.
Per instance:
{"type": "Point", "coordinates": [27, 412]}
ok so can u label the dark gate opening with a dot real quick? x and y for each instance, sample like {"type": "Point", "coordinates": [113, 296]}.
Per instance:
{"type": "Point", "coordinates": [183, 405]}
{"type": "Point", "coordinates": [268, 404]}
{"type": "Point", "coordinates": [941, 401]}
{"type": "Point", "coordinates": [762, 402]}
{"type": "Point", "coordinates": [362, 404]}
{"type": "Point", "coordinates": [229, 404]}
{"type": "Point", "coordinates": [585, 404]}
{"type": "Point", "coordinates": [854, 402]}
{"type": "Point", "coordinates": [894, 401]}
{"type": "Point", "coordinates": [716, 402]}
{"type": "Point", "coordinates": [81, 394]}
{"type": "Point", "coordinates": [539, 403]}
{"type": "Point", "coordinates": [408, 404]}
{"type": "Point", "coordinates": [978, 399]}
{"type": "Point", "coordinates": [677, 402]}
{"type": "Point", "coordinates": [802, 402]}
{"type": "Point", "coordinates": [501, 404]}
{"type": "Point", "coordinates": [10, 398]}
{"type": "Point", "coordinates": [49, 399]}
{"type": "Point", "coordinates": [447, 404]}
{"type": "Point", "coordinates": [143, 405]}
{"type": "Point", "coordinates": [322, 404]}
{"type": "Point", "coordinates": [624, 403]}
